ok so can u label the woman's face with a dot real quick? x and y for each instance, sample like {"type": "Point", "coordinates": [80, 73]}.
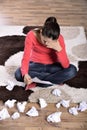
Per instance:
{"type": "Point", "coordinates": [45, 40]}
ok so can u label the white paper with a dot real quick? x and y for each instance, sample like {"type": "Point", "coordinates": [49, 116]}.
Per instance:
{"type": "Point", "coordinates": [15, 115]}
{"type": "Point", "coordinates": [56, 92]}
{"type": "Point", "coordinates": [21, 106]}
{"type": "Point", "coordinates": [32, 112]}
{"type": "Point", "coordinates": [82, 106]}
{"type": "Point", "coordinates": [4, 114]}
{"type": "Point", "coordinates": [58, 105]}
{"type": "Point", "coordinates": [54, 117]}
{"type": "Point", "coordinates": [42, 102]}
{"type": "Point", "coordinates": [73, 111]}
{"type": "Point", "coordinates": [10, 103]}
{"type": "Point", "coordinates": [65, 103]}
{"type": "Point", "coordinates": [40, 81]}
{"type": "Point", "coordinates": [10, 85]}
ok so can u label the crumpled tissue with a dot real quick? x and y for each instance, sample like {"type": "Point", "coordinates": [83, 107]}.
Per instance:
{"type": "Point", "coordinates": [10, 85]}
{"type": "Point", "coordinates": [54, 117]}
{"type": "Point", "coordinates": [56, 92]}
{"type": "Point", "coordinates": [15, 115]}
{"type": "Point", "coordinates": [21, 106]}
{"type": "Point", "coordinates": [82, 106]}
{"type": "Point", "coordinates": [58, 105]}
{"type": "Point", "coordinates": [32, 112]}
{"type": "Point", "coordinates": [73, 111]}
{"type": "Point", "coordinates": [4, 114]}
{"type": "Point", "coordinates": [10, 103]}
{"type": "Point", "coordinates": [42, 102]}
{"type": "Point", "coordinates": [65, 103]}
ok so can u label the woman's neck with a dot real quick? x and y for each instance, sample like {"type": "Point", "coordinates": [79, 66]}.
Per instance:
{"type": "Point", "coordinates": [37, 33]}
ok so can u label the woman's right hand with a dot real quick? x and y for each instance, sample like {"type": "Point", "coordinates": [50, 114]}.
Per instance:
{"type": "Point", "coordinates": [27, 79]}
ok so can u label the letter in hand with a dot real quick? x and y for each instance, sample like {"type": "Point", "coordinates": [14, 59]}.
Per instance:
{"type": "Point", "coordinates": [29, 83]}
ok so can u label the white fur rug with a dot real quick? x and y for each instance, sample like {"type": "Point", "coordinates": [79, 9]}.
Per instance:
{"type": "Point", "coordinates": [76, 46]}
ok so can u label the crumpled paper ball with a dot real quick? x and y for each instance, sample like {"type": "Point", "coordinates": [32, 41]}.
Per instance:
{"type": "Point", "coordinates": [15, 115]}
{"type": "Point", "coordinates": [32, 112]}
{"type": "Point", "coordinates": [56, 92]}
{"type": "Point", "coordinates": [73, 111]}
{"type": "Point", "coordinates": [42, 102]}
{"type": "Point", "coordinates": [21, 106]}
{"type": "Point", "coordinates": [82, 106]}
{"type": "Point", "coordinates": [10, 85]}
{"type": "Point", "coordinates": [65, 103]}
{"type": "Point", "coordinates": [54, 117]}
{"type": "Point", "coordinates": [58, 105]}
{"type": "Point", "coordinates": [10, 103]}
{"type": "Point", "coordinates": [4, 114]}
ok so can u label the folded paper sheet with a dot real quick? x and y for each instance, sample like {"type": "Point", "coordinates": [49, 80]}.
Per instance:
{"type": "Point", "coordinates": [36, 80]}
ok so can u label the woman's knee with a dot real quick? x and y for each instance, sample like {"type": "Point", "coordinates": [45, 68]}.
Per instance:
{"type": "Point", "coordinates": [18, 75]}
{"type": "Point", "coordinates": [72, 71]}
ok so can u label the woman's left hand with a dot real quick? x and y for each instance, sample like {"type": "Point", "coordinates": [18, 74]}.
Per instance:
{"type": "Point", "coordinates": [54, 45]}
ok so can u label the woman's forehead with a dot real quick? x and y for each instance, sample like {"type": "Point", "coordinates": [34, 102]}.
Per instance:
{"type": "Point", "coordinates": [46, 38]}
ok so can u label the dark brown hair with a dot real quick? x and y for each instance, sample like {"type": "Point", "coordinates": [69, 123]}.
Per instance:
{"type": "Point", "coordinates": [51, 28]}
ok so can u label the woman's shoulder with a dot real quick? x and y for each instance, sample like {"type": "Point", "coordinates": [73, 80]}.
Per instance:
{"type": "Point", "coordinates": [61, 40]}
{"type": "Point", "coordinates": [34, 32]}
{"type": "Point", "coordinates": [30, 33]}
{"type": "Point", "coordinates": [60, 37]}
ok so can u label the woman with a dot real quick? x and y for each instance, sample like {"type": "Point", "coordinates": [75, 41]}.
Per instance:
{"type": "Point", "coordinates": [45, 56]}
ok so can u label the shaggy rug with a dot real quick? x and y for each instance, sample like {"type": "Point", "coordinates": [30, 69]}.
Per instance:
{"type": "Point", "coordinates": [10, 59]}
{"type": "Point", "coordinates": [17, 93]}
{"type": "Point", "coordinates": [10, 45]}
{"type": "Point", "coordinates": [74, 90]}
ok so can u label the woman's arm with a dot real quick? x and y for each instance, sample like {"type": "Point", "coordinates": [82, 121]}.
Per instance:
{"type": "Point", "coordinates": [26, 55]}
{"type": "Point", "coordinates": [62, 55]}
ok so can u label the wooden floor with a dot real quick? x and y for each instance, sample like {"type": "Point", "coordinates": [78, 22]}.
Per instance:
{"type": "Point", "coordinates": [34, 12]}
{"type": "Point", "coordinates": [68, 121]}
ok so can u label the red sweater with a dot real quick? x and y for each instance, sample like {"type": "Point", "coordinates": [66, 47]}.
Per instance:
{"type": "Point", "coordinates": [36, 52]}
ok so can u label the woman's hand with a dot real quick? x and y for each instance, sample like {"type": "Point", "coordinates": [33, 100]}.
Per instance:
{"type": "Point", "coordinates": [27, 79]}
{"type": "Point", "coordinates": [54, 45]}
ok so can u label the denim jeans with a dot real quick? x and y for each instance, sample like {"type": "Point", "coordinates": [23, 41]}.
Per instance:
{"type": "Point", "coordinates": [54, 73]}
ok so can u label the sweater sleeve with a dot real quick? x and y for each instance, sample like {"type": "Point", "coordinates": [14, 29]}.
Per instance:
{"type": "Point", "coordinates": [26, 55]}
{"type": "Point", "coordinates": [62, 56]}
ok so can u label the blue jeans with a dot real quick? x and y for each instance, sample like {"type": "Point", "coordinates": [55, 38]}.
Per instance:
{"type": "Point", "coordinates": [54, 73]}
